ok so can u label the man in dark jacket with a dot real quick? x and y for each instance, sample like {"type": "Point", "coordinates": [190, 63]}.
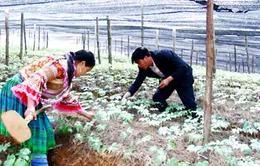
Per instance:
{"type": "Point", "coordinates": [171, 69]}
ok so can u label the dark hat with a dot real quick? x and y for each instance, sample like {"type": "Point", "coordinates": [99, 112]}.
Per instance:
{"type": "Point", "coordinates": [140, 53]}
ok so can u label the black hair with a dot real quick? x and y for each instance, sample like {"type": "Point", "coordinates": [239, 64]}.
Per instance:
{"type": "Point", "coordinates": [87, 56]}
{"type": "Point", "coordinates": [140, 53]}
{"type": "Point", "coordinates": [81, 55]}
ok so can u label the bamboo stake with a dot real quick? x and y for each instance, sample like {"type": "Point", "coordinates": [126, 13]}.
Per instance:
{"type": "Point", "coordinates": [21, 37]}
{"type": "Point", "coordinates": [192, 50]}
{"type": "Point", "coordinates": [157, 39]}
{"type": "Point", "coordinates": [235, 56]}
{"type": "Point", "coordinates": [34, 37]}
{"type": "Point", "coordinates": [97, 39]}
{"type": "Point", "coordinates": [109, 40]}
{"type": "Point", "coordinates": [247, 54]}
{"type": "Point", "coordinates": [39, 38]}
{"type": "Point", "coordinates": [173, 40]}
{"type": "Point", "coordinates": [25, 40]}
{"type": "Point", "coordinates": [142, 23]}
{"type": "Point", "coordinates": [88, 39]}
{"type": "Point", "coordinates": [7, 38]}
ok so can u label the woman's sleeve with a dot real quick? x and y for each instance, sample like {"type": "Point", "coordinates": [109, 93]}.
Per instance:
{"type": "Point", "coordinates": [32, 86]}
{"type": "Point", "coordinates": [68, 104]}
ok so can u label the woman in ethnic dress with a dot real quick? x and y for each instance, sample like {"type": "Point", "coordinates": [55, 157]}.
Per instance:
{"type": "Point", "coordinates": [45, 81]}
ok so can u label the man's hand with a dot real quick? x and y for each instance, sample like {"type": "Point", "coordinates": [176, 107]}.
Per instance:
{"type": "Point", "coordinates": [126, 95]}
{"type": "Point", "coordinates": [165, 82]}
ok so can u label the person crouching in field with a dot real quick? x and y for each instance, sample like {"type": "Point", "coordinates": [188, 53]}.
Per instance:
{"type": "Point", "coordinates": [45, 81]}
{"type": "Point", "coordinates": [173, 72]}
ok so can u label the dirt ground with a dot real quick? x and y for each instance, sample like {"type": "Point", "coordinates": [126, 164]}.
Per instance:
{"type": "Point", "coordinates": [68, 153]}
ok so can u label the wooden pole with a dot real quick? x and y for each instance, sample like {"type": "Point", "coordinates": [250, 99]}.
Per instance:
{"type": "Point", "coordinates": [247, 55]}
{"type": "Point", "coordinates": [25, 41]}
{"type": "Point", "coordinates": [230, 62]}
{"type": "Point", "coordinates": [173, 40]}
{"type": "Point", "coordinates": [142, 23]}
{"type": "Point", "coordinates": [95, 47]}
{"type": "Point", "coordinates": [226, 66]}
{"type": "Point", "coordinates": [235, 56]}
{"type": "Point", "coordinates": [109, 40]}
{"type": "Point", "coordinates": [192, 50]}
{"type": "Point", "coordinates": [88, 39]}
{"type": "Point", "coordinates": [97, 39]}
{"type": "Point", "coordinates": [43, 38]}
{"type": "Point", "coordinates": [215, 58]}
{"type": "Point", "coordinates": [253, 63]}
{"type": "Point", "coordinates": [243, 65]}
{"type": "Point", "coordinates": [47, 39]}
{"type": "Point", "coordinates": [197, 58]}
{"type": "Point", "coordinates": [115, 46]}
{"type": "Point", "coordinates": [39, 38]}
{"type": "Point", "coordinates": [84, 39]}
{"type": "Point", "coordinates": [157, 39]}
{"type": "Point", "coordinates": [34, 37]}
{"type": "Point", "coordinates": [7, 38]}
{"type": "Point", "coordinates": [181, 53]}
{"type": "Point", "coordinates": [209, 71]}
{"type": "Point", "coordinates": [121, 46]}
{"type": "Point", "coordinates": [128, 46]}
{"type": "Point", "coordinates": [21, 37]}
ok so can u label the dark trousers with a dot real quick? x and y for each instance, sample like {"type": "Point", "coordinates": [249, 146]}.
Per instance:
{"type": "Point", "coordinates": [185, 93]}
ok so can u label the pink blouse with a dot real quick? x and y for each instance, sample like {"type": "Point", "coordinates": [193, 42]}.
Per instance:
{"type": "Point", "coordinates": [38, 78]}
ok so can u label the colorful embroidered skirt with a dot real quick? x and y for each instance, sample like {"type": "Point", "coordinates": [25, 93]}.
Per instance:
{"type": "Point", "coordinates": [42, 132]}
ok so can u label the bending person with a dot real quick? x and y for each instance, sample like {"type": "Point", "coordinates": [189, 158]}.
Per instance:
{"type": "Point", "coordinates": [174, 73]}
{"type": "Point", "coordinates": [45, 81]}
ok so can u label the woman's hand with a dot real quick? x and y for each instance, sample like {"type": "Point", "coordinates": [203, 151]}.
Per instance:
{"type": "Point", "coordinates": [29, 114]}
{"type": "Point", "coordinates": [88, 115]}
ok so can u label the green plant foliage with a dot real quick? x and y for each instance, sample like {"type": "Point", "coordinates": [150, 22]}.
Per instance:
{"type": "Point", "coordinates": [202, 163]}
{"type": "Point", "coordinates": [114, 147]}
{"type": "Point", "coordinates": [255, 144]}
{"type": "Point", "coordinates": [249, 128]}
{"type": "Point", "coordinates": [230, 160]}
{"type": "Point", "coordinates": [172, 162]}
{"type": "Point", "coordinates": [88, 126]}
{"type": "Point", "coordinates": [79, 137]}
{"type": "Point", "coordinates": [126, 117]}
{"type": "Point", "coordinates": [10, 160]}
{"type": "Point", "coordinates": [195, 137]}
{"type": "Point", "coordinates": [95, 142]}
{"type": "Point", "coordinates": [160, 157]}
{"type": "Point", "coordinates": [160, 154]}
{"type": "Point", "coordinates": [171, 144]}
{"type": "Point", "coordinates": [101, 127]}
{"type": "Point", "coordinates": [78, 126]}
{"type": "Point", "coordinates": [144, 139]}
{"type": "Point", "coordinates": [4, 147]}
{"type": "Point", "coordinates": [218, 123]}
{"type": "Point", "coordinates": [163, 131]}
{"type": "Point", "coordinates": [21, 162]}
{"type": "Point", "coordinates": [123, 135]}
{"type": "Point", "coordinates": [65, 129]}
